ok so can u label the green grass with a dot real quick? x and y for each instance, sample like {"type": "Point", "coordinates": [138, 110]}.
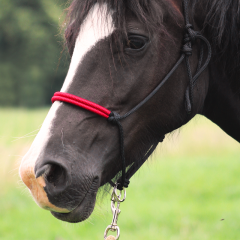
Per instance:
{"type": "Point", "coordinates": [182, 193]}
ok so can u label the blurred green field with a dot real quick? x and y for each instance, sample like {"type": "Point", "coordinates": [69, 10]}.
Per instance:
{"type": "Point", "coordinates": [189, 189]}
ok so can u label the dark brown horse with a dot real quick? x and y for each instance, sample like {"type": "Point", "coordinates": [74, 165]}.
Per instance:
{"type": "Point", "coordinates": [120, 51]}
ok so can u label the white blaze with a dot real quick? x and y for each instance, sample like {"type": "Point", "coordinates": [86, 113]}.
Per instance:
{"type": "Point", "coordinates": [41, 139]}
{"type": "Point", "coordinates": [96, 26]}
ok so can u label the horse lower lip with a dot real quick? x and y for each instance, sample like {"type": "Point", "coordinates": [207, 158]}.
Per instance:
{"type": "Point", "coordinates": [84, 209]}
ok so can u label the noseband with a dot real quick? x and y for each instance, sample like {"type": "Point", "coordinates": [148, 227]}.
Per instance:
{"type": "Point", "coordinates": [189, 38]}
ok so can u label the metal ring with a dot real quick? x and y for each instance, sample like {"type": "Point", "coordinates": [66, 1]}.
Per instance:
{"type": "Point", "coordinates": [113, 230]}
{"type": "Point", "coordinates": [118, 196]}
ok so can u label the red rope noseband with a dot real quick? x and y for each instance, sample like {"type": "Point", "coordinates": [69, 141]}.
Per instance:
{"type": "Point", "coordinates": [81, 102]}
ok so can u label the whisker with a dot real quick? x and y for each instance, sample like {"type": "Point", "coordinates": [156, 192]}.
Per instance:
{"type": "Point", "coordinates": [29, 133]}
{"type": "Point", "coordinates": [18, 138]}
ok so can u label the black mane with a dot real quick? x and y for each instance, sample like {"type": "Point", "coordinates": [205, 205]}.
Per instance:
{"type": "Point", "coordinates": [222, 26]}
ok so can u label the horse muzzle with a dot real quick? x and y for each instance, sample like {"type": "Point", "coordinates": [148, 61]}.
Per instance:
{"type": "Point", "coordinates": [61, 188]}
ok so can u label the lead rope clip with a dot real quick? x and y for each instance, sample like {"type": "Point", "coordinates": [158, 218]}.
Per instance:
{"type": "Point", "coordinates": [115, 204]}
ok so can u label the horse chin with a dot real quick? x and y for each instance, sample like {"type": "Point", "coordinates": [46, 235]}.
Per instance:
{"type": "Point", "coordinates": [83, 210]}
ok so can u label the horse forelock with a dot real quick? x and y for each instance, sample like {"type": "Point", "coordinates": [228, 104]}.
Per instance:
{"type": "Point", "coordinates": [149, 13]}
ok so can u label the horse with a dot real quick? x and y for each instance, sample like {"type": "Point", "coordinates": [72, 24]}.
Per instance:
{"type": "Point", "coordinates": [121, 52]}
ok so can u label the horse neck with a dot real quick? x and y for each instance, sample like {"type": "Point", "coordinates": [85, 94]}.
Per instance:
{"type": "Point", "coordinates": [223, 99]}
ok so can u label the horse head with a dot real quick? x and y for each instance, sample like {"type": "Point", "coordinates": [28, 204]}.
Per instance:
{"type": "Point", "coordinates": [120, 51]}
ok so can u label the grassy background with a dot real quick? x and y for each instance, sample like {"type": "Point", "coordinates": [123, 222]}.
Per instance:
{"type": "Point", "coordinates": [183, 192]}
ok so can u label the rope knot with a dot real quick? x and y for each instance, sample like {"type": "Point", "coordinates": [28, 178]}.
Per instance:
{"type": "Point", "coordinates": [114, 117]}
{"type": "Point", "coordinates": [121, 185]}
{"type": "Point", "coordinates": [191, 33]}
{"type": "Point", "coordinates": [187, 48]}
{"type": "Point", "coordinates": [189, 38]}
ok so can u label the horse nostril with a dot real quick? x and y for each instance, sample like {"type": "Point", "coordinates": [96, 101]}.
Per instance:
{"type": "Point", "coordinates": [42, 170]}
{"type": "Point", "coordinates": [53, 173]}
{"type": "Point", "coordinates": [56, 175]}
{"type": "Point", "coordinates": [49, 182]}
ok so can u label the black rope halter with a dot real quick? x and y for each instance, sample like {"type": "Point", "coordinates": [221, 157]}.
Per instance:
{"type": "Point", "coordinates": [189, 39]}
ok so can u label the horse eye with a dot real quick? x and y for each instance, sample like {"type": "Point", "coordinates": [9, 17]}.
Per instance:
{"type": "Point", "coordinates": [136, 42]}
